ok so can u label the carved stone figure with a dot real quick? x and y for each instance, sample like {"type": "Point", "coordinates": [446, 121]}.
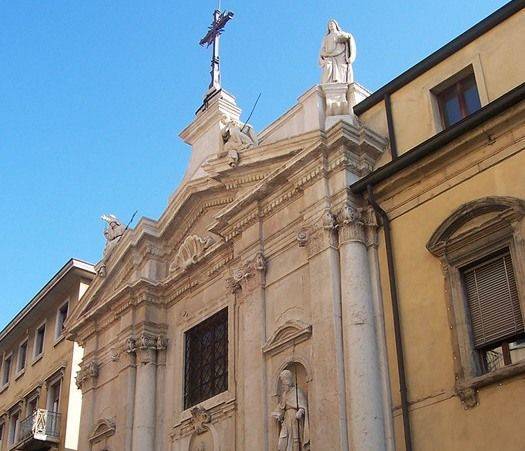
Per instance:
{"type": "Point", "coordinates": [292, 415]}
{"type": "Point", "coordinates": [113, 232]}
{"type": "Point", "coordinates": [237, 137]}
{"type": "Point", "coordinates": [337, 54]}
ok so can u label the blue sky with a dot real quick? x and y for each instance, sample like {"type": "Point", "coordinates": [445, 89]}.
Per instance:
{"type": "Point", "coordinates": [93, 95]}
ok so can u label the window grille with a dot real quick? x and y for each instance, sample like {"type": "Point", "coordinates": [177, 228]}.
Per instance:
{"type": "Point", "coordinates": [206, 359]}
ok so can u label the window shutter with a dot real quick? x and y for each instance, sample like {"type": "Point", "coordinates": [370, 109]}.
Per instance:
{"type": "Point", "coordinates": [493, 301]}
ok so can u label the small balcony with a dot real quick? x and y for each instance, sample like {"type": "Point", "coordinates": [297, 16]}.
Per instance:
{"type": "Point", "coordinates": [39, 430]}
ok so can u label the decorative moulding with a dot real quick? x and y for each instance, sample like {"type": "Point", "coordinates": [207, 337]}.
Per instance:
{"type": "Point", "coordinates": [290, 333]}
{"type": "Point", "coordinates": [103, 429]}
{"type": "Point", "coordinates": [190, 252]}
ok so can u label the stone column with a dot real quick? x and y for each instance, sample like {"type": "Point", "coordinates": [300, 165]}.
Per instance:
{"type": "Point", "coordinates": [128, 379]}
{"type": "Point", "coordinates": [248, 285]}
{"type": "Point", "coordinates": [145, 389]}
{"type": "Point", "coordinates": [362, 369]}
{"type": "Point", "coordinates": [327, 397]}
{"type": "Point", "coordinates": [86, 381]}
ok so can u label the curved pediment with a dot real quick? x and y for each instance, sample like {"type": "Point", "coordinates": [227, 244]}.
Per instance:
{"type": "Point", "coordinates": [288, 334]}
{"type": "Point", "coordinates": [103, 429]}
{"type": "Point", "coordinates": [473, 217]}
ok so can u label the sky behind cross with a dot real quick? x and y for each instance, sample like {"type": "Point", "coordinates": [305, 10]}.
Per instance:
{"type": "Point", "coordinates": [93, 95]}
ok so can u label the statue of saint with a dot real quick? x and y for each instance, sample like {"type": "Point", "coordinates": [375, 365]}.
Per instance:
{"type": "Point", "coordinates": [337, 54]}
{"type": "Point", "coordinates": [113, 231]}
{"type": "Point", "coordinates": [292, 415]}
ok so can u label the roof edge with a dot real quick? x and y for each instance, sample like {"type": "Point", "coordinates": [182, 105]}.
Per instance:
{"type": "Point", "coordinates": [420, 151]}
{"type": "Point", "coordinates": [69, 266]}
{"type": "Point", "coordinates": [441, 54]}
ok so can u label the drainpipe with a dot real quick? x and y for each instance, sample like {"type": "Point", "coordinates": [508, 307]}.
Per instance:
{"type": "Point", "coordinates": [395, 312]}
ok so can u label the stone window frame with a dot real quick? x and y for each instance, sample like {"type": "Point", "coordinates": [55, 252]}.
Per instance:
{"type": "Point", "coordinates": [19, 371]}
{"type": "Point", "coordinates": [7, 356]}
{"type": "Point", "coordinates": [59, 334]}
{"type": "Point", "coordinates": [190, 322]}
{"type": "Point", "coordinates": [472, 232]}
{"type": "Point", "coordinates": [37, 357]}
{"type": "Point", "coordinates": [472, 66]}
{"type": "Point", "coordinates": [17, 410]}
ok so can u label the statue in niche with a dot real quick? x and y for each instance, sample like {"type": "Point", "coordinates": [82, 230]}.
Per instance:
{"type": "Point", "coordinates": [292, 415]}
{"type": "Point", "coordinates": [337, 54]}
{"type": "Point", "coordinates": [113, 232]}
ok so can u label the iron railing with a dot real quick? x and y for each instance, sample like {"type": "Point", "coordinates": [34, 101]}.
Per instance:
{"type": "Point", "coordinates": [40, 425]}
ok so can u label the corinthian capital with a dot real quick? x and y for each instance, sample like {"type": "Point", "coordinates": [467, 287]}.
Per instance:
{"type": "Point", "coordinates": [351, 225]}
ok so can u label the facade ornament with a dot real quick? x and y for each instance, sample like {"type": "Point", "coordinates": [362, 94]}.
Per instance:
{"type": "Point", "coordinates": [101, 271]}
{"type": "Point", "coordinates": [162, 343]}
{"type": "Point", "coordinates": [338, 52]}
{"type": "Point", "coordinates": [328, 220]}
{"type": "Point", "coordinates": [237, 137]}
{"type": "Point", "coordinates": [104, 428]}
{"type": "Point", "coordinates": [86, 373]}
{"type": "Point", "coordinates": [200, 417]}
{"type": "Point", "coordinates": [250, 269]}
{"type": "Point", "coordinates": [114, 354]}
{"type": "Point", "coordinates": [131, 345]}
{"type": "Point", "coordinates": [351, 224]}
{"type": "Point", "coordinates": [190, 252]}
{"type": "Point", "coordinates": [292, 414]}
{"type": "Point", "coordinates": [302, 237]}
{"type": "Point", "coordinates": [371, 226]}
{"type": "Point", "coordinates": [113, 232]}
{"type": "Point", "coordinates": [146, 341]}
{"type": "Point", "coordinates": [469, 397]}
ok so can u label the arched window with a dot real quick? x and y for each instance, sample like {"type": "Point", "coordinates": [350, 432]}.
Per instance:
{"type": "Point", "coordinates": [482, 251]}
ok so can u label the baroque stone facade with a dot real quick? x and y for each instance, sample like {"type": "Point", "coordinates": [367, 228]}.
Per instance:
{"type": "Point", "coordinates": [279, 231]}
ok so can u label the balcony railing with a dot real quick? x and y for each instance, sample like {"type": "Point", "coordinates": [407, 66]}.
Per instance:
{"type": "Point", "coordinates": [42, 425]}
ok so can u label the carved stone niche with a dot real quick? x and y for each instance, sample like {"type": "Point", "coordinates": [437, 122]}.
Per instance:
{"type": "Point", "coordinates": [190, 252]}
{"type": "Point", "coordinates": [102, 431]}
{"type": "Point", "coordinates": [288, 334]}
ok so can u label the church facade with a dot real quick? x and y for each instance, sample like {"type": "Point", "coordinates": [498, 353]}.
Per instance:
{"type": "Point", "coordinates": [329, 282]}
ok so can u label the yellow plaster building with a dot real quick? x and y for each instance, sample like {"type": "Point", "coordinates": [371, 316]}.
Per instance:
{"type": "Point", "coordinates": [453, 199]}
{"type": "Point", "coordinates": [40, 403]}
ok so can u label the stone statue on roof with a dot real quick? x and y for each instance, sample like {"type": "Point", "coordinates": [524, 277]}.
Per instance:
{"type": "Point", "coordinates": [113, 232]}
{"type": "Point", "coordinates": [337, 54]}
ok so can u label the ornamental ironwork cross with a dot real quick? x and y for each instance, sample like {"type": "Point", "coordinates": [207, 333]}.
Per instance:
{"type": "Point", "coordinates": [220, 18]}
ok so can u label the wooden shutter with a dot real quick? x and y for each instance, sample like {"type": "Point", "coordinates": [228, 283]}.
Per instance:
{"type": "Point", "coordinates": [493, 301]}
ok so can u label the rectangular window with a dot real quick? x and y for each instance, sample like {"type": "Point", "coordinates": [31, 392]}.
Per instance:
{"type": "Point", "coordinates": [13, 427]}
{"type": "Point", "coordinates": [495, 311]}
{"type": "Point", "coordinates": [1, 434]}
{"type": "Point", "coordinates": [206, 359]}
{"type": "Point", "coordinates": [7, 370]}
{"type": "Point", "coordinates": [39, 340]}
{"type": "Point", "coordinates": [61, 319]}
{"type": "Point", "coordinates": [53, 397]}
{"type": "Point", "coordinates": [32, 405]}
{"type": "Point", "coordinates": [22, 357]}
{"type": "Point", "coordinates": [458, 100]}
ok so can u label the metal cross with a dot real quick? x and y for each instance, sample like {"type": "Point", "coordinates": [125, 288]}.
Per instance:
{"type": "Point", "coordinates": [212, 37]}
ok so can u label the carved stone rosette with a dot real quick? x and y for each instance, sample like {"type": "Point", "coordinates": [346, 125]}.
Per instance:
{"type": "Point", "coordinates": [249, 273]}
